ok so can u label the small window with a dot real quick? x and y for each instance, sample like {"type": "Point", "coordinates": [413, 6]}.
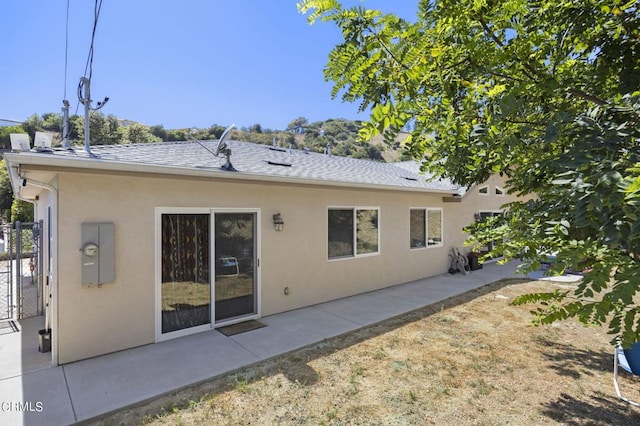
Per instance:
{"type": "Point", "coordinates": [484, 190]}
{"type": "Point", "coordinates": [367, 231]}
{"type": "Point", "coordinates": [418, 220]}
{"type": "Point", "coordinates": [352, 232]}
{"type": "Point", "coordinates": [425, 228]}
{"type": "Point", "coordinates": [481, 217]}
{"type": "Point", "coordinates": [340, 233]}
{"type": "Point", "coordinates": [499, 191]}
{"type": "Point", "coordinates": [434, 227]}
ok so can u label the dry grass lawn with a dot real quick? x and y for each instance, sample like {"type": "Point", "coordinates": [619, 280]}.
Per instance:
{"type": "Point", "coordinates": [473, 359]}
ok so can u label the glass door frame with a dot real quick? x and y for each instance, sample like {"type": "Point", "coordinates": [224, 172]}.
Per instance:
{"type": "Point", "coordinates": [159, 211]}
{"type": "Point", "coordinates": [256, 267]}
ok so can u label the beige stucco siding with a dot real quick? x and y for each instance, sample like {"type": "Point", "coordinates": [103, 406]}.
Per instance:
{"type": "Point", "coordinates": [95, 320]}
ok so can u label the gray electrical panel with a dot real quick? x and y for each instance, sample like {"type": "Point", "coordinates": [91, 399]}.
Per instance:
{"type": "Point", "coordinates": [98, 253]}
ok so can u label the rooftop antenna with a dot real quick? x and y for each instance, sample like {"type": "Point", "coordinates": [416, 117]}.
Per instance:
{"type": "Point", "coordinates": [65, 123]}
{"type": "Point", "coordinates": [85, 99]}
{"type": "Point", "coordinates": [221, 148]}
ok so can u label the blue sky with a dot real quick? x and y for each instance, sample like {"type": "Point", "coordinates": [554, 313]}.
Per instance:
{"type": "Point", "coordinates": [190, 63]}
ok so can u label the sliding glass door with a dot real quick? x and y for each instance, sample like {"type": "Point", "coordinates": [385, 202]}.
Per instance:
{"type": "Point", "coordinates": [186, 282]}
{"type": "Point", "coordinates": [207, 269]}
{"type": "Point", "coordinates": [235, 265]}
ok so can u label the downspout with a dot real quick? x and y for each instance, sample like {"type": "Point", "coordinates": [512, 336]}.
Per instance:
{"type": "Point", "coordinates": [51, 321]}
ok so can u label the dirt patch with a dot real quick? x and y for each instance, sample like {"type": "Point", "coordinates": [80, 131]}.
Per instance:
{"type": "Point", "coordinates": [473, 359]}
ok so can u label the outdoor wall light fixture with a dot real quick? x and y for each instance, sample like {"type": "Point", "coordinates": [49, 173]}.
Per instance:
{"type": "Point", "coordinates": [278, 222]}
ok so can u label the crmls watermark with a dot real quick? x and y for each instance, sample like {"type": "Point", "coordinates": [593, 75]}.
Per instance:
{"type": "Point", "coordinates": [27, 406]}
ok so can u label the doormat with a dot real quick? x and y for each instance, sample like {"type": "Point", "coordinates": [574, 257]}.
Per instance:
{"type": "Point", "coordinates": [241, 327]}
{"type": "Point", "coordinates": [8, 327]}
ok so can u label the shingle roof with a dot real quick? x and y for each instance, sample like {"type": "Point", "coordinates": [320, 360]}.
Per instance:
{"type": "Point", "coordinates": [255, 160]}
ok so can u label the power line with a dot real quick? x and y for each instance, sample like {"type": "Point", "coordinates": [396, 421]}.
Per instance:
{"type": "Point", "coordinates": [89, 65]}
{"type": "Point", "coordinates": [66, 51]}
{"type": "Point", "coordinates": [96, 16]}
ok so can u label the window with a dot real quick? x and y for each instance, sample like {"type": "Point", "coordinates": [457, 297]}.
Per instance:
{"type": "Point", "coordinates": [352, 232]}
{"type": "Point", "coordinates": [499, 191]}
{"type": "Point", "coordinates": [418, 221]}
{"type": "Point", "coordinates": [425, 228]}
{"type": "Point", "coordinates": [483, 190]}
{"type": "Point", "coordinates": [481, 217]}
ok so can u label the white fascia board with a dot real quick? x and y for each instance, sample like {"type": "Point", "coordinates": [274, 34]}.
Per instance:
{"type": "Point", "coordinates": [51, 161]}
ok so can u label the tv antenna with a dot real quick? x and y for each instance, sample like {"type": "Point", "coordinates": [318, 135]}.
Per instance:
{"type": "Point", "coordinates": [221, 149]}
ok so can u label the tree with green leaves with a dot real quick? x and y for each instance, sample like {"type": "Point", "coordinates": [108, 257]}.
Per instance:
{"type": "Point", "coordinates": [52, 122]}
{"type": "Point", "coordinates": [6, 193]}
{"type": "Point", "coordinates": [545, 93]}
{"type": "Point", "coordinates": [33, 124]}
{"type": "Point", "coordinates": [21, 211]}
{"type": "Point", "coordinates": [5, 135]}
{"type": "Point", "coordinates": [137, 133]}
{"type": "Point", "coordinates": [297, 124]}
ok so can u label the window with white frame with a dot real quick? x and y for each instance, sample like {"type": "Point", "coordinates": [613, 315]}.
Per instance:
{"type": "Point", "coordinates": [481, 217]}
{"type": "Point", "coordinates": [425, 227]}
{"type": "Point", "coordinates": [484, 190]}
{"type": "Point", "coordinates": [352, 232]}
{"type": "Point", "coordinates": [499, 191]}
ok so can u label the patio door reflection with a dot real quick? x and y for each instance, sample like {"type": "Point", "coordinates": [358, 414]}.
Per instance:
{"type": "Point", "coordinates": [235, 265]}
{"type": "Point", "coordinates": [186, 288]}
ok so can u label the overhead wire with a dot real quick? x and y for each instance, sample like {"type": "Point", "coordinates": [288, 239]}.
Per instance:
{"type": "Point", "coordinates": [96, 16]}
{"type": "Point", "coordinates": [89, 64]}
{"type": "Point", "coordinates": [66, 51]}
{"type": "Point", "coordinates": [65, 102]}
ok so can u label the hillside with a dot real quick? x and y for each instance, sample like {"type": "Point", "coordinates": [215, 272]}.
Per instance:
{"type": "Point", "coordinates": [340, 136]}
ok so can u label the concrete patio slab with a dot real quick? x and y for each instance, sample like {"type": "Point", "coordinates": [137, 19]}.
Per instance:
{"type": "Point", "coordinates": [36, 398]}
{"type": "Point", "coordinates": [369, 308]}
{"type": "Point", "coordinates": [120, 379]}
{"type": "Point", "coordinates": [292, 330]}
{"type": "Point", "coordinates": [94, 387]}
{"type": "Point", "coordinates": [566, 278]}
{"type": "Point", "coordinates": [19, 352]}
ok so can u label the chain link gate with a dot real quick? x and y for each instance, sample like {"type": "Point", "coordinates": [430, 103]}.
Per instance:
{"type": "Point", "coordinates": [6, 275]}
{"type": "Point", "coordinates": [21, 271]}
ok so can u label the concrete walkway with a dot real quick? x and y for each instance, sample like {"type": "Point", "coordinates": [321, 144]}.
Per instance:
{"type": "Point", "coordinates": [33, 392]}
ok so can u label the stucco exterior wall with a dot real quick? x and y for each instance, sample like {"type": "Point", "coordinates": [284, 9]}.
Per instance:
{"type": "Point", "coordinates": [474, 202]}
{"type": "Point", "coordinates": [99, 319]}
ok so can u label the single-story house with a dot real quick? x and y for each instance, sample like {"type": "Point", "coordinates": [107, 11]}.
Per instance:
{"type": "Point", "coordinates": [149, 242]}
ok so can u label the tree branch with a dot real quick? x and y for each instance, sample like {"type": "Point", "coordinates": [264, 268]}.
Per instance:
{"type": "Point", "coordinates": [384, 46]}
{"type": "Point", "coordinates": [535, 73]}
{"type": "Point", "coordinates": [579, 93]}
{"type": "Point", "coordinates": [499, 42]}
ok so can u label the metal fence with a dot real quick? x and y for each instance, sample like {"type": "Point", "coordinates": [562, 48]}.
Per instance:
{"type": "Point", "coordinates": [21, 282]}
{"type": "Point", "coordinates": [7, 301]}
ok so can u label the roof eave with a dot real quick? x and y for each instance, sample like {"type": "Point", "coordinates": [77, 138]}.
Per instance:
{"type": "Point", "coordinates": [47, 160]}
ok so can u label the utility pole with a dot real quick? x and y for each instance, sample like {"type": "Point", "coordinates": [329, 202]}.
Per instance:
{"type": "Point", "coordinates": [85, 99]}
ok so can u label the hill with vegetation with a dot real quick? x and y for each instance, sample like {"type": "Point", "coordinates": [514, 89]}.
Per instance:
{"type": "Point", "coordinates": [339, 135]}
